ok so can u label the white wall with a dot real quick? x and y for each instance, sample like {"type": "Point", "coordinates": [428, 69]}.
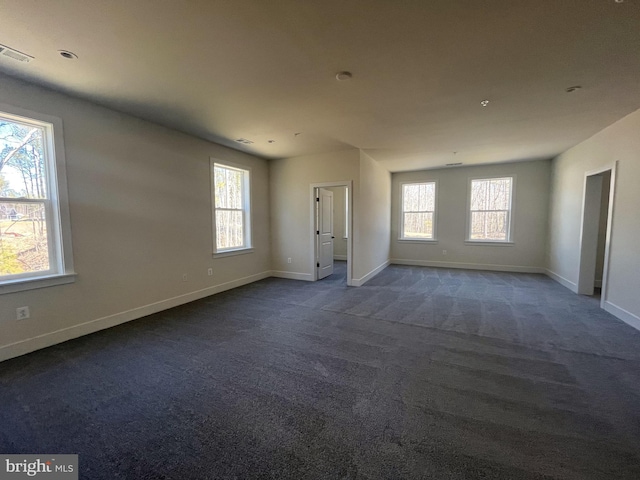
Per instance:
{"type": "Point", "coordinates": [372, 220]}
{"type": "Point", "coordinates": [291, 201]}
{"type": "Point", "coordinates": [620, 142]}
{"type": "Point", "coordinates": [140, 217]}
{"type": "Point", "coordinates": [529, 219]}
{"type": "Point", "coordinates": [291, 179]}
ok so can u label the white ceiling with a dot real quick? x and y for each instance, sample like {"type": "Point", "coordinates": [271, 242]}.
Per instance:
{"type": "Point", "coordinates": [265, 70]}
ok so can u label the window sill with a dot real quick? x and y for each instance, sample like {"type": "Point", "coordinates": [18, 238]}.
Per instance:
{"type": "Point", "coordinates": [418, 240]}
{"type": "Point", "coordinates": [488, 243]}
{"type": "Point", "coordinates": [231, 253]}
{"type": "Point", "coordinates": [23, 284]}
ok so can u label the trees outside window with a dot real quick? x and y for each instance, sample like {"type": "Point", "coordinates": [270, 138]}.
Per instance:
{"type": "Point", "coordinates": [418, 211]}
{"type": "Point", "coordinates": [232, 212]}
{"type": "Point", "coordinates": [30, 227]}
{"type": "Point", "coordinates": [490, 202]}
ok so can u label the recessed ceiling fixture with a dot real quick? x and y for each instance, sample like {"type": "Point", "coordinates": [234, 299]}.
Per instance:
{"type": "Point", "coordinates": [68, 55]}
{"type": "Point", "coordinates": [453, 164]}
{"type": "Point", "coordinates": [14, 54]}
{"type": "Point", "coordinates": [619, 1]}
{"type": "Point", "coordinates": [271, 141]}
{"type": "Point", "coordinates": [573, 89]}
{"type": "Point", "coordinates": [342, 76]}
{"type": "Point", "coordinates": [484, 103]}
{"type": "Point", "coordinates": [244, 141]}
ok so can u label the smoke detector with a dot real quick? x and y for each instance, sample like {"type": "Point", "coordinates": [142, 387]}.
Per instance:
{"type": "Point", "coordinates": [14, 54]}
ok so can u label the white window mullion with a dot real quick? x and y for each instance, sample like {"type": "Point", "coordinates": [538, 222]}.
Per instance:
{"type": "Point", "coordinates": [488, 223]}
{"type": "Point", "coordinates": [231, 207]}
{"type": "Point", "coordinates": [418, 211]}
{"type": "Point", "coordinates": [34, 214]}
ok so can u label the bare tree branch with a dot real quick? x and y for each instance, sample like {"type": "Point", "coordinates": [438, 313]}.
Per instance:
{"type": "Point", "coordinates": [25, 140]}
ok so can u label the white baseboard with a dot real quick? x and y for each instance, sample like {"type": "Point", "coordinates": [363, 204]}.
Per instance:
{"type": "Point", "coordinates": [562, 281]}
{"type": "Point", "coordinates": [358, 282]}
{"type": "Point", "coordinates": [52, 338]}
{"type": "Point", "coordinates": [340, 257]}
{"type": "Point", "coordinates": [292, 275]}
{"type": "Point", "coordinates": [622, 314]}
{"type": "Point", "coordinates": [468, 266]}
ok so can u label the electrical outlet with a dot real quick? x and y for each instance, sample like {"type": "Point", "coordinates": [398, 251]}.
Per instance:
{"type": "Point", "coordinates": [289, 260]}
{"type": "Point", "coordinates": [210, 272]}
{"type": "Point", "coordinates": [444, 252]}
{"type": "Point", "coordinates": [184, 277]}
{"type": "Point", "coordinates": [22, 313]}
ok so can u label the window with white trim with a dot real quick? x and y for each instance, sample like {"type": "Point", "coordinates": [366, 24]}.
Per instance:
{"type": "Point", "coordinates": [490, 202]}
{"type": "Point", "coordinates": [418, 219]}
{"type": "Point", "coordinates": [35, 237]}
{"type": "Point", "coordinates": [232, 207]}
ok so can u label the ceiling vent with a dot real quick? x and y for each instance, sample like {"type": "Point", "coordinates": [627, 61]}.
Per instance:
{"type": "Point", "coordinates": [16, 55]}
{"type": "Point", "coordinates": [244, 141]}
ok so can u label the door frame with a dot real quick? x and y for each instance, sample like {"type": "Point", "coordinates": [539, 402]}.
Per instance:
{"type": "Point", "coordinates": [607, 243]}
{"type": "Point", "coordinates": [314, 254]}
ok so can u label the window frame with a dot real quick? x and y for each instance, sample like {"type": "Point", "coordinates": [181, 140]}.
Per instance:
{"type": "Point", "coordinates": [510, 227]}
{"type": "Point", "coordinates": [434, 238]}
{"type": "Point", "coordinates": [246, 209]}
{"type": "Point", "coordinates": [61, 270]}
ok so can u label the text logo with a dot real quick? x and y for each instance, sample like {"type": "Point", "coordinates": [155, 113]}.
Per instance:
{"type": "Point", "coordinates": [45, 467]}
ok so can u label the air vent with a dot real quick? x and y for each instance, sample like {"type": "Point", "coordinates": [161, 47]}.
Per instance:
{"type": "Point", "coordinates": [14, 54]}
{"type": "Point", "coordinates": [244, 141]}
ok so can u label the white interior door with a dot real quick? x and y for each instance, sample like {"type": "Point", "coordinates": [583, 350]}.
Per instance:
{"type": "Point", "coordinates": [324, 232]}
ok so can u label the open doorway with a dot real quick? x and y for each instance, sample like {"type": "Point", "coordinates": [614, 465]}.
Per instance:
{"type": "Point", "coordinates": [595, 239]}
{"type": "Point", "coordinates": [331, 232]}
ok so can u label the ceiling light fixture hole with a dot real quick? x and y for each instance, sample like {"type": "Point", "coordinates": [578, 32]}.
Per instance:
{"type": "Point", "coordinates": [343, 76]}
{"type": "Point", "coordinates": [67, 54]}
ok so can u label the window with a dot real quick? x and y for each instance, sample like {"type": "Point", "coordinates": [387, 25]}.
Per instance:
{"type": "Point", "coordinates": [35, 241]}
{"type": "Point", "coordinates": [232, 211]}
{"type": "Point", "coordinates": [418, 211]}
{"type": "Point", "coordinates": [490, 209]}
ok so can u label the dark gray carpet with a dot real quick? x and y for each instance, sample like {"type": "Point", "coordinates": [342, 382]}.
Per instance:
{"type": "Point", "coordinates": [421, 373]}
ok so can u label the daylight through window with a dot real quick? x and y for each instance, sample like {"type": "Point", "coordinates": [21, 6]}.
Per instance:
{"type": "Point", "coordinates": [231, 205]}
{"type": "Point", "coordinates": [418, 211]}
{"type": "Point", "coordinates": [490, 209]}
{"type": "Point", "coordinates": [30, 230]}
